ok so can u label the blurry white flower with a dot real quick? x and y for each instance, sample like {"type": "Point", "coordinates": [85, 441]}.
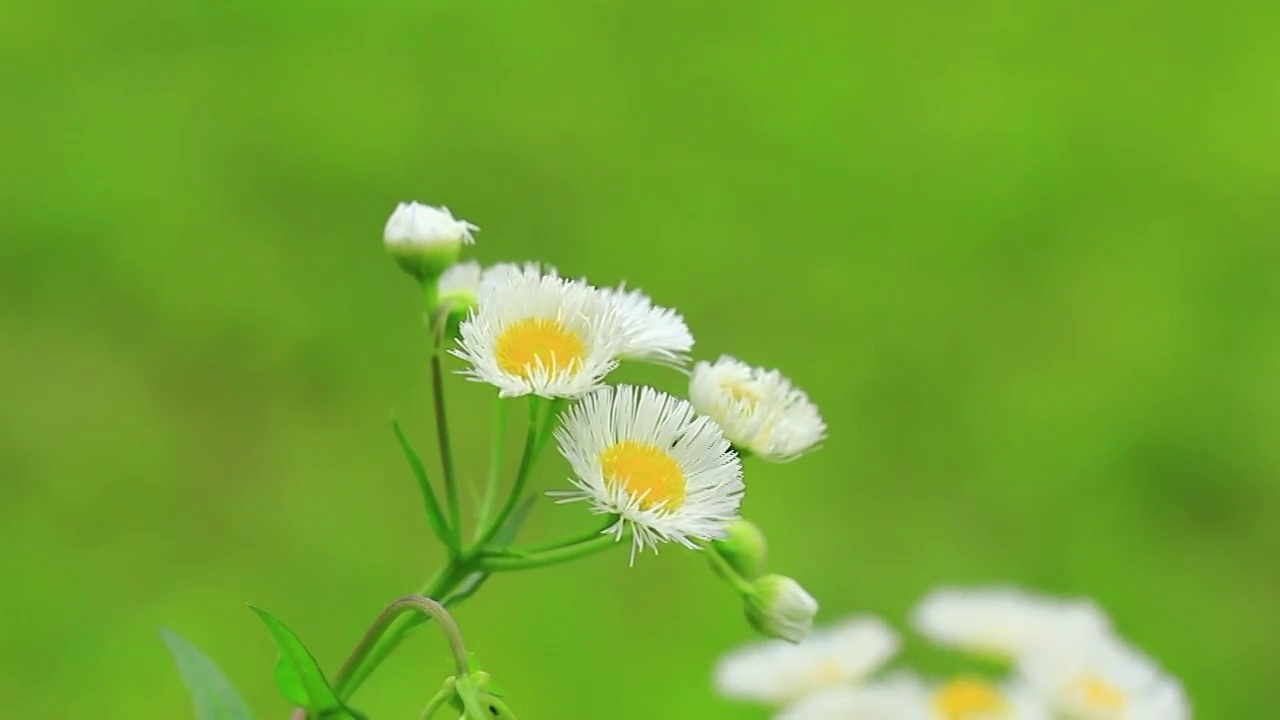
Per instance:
{"type": "Point", "coordinates": [780, 607]}
{"type": "Point", "coordinates": [460, 283]}
{"type": "Point", "coordinates": [1001, 621]}
{"type": "Point", "coordinates": [1097, 676]}
{"type": "Point", "coordinates": [540, 335]}
{"type": "Point", "coordinates": [464, 283]}
{"type": "Point", "coordinates": [760, 411]}
{"type": "Point", "coordinates": [777, 672]}
{"type": "Point", "coordinates": [649, 458]}
{"type": "Point", "coordinates": [425, 239]}
{"type": "Point", "coordinates": [654, 334]}
{"type": "Point", "coordinates": [904, 696]}
{"type": "Point", "coordinates": [497, 275]}
{"type": "Point", "coordinates": [880, 700]}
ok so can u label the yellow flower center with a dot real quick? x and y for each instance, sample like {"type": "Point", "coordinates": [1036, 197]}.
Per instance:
{"type": "Point", "coordinates": [969, 699]}
{"type": "Point", "coordinates": [828, 672]}
{"type": "Point", "coordinates": [646, 472]}
{"type": "Point", "coordinates": [741, 392]}
{"type": "Point", "coordinates": [1098, 694]}
{"type": "Point", "coordinates": [528, 344]}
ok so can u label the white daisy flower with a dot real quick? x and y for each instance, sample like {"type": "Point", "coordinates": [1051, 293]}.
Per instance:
{"type": "Point", "coordinates": [495, 276]}
{"type": "Point", "coordinates": [1001, 621]}
{"type": "Point", "coordinates": [460, 283]}
{"type": "Point", "coordinates": [654, 334]}
{"type": "Point", "coordinates": [647, 457]}
{"type": "Point", "coordinates": [424, 239]}
{"type": "Point", "coordinates": [904, 696]}
{"type": "Point", "coordinates": [465, 282]}
{"type": "Point", "coordinates": [540, 335]}
{"type": "Point", "coordinates": [777, 672]}
{"type": "Point", "coordinates": [1101, 677]}
{"type": "Point", "coordinates": [759, 409]}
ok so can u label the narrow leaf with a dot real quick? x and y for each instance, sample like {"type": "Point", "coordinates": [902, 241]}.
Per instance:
{"type": "Point", "coordinates": [212, 693]}
{"type": "Point", "coordinates": [429, 502]}
{"type": "Point", "coordinates": [298, 675]}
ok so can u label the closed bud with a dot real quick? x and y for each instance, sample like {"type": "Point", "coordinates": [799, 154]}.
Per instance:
{"type": "Point", "coordinates": [456, 294]}
{"type": "Point", "coordinates": [779, 607]}
{"type": "Point", "coordinates": [743, 548]}
{"type": "Point", "coordinates": [425, 240]}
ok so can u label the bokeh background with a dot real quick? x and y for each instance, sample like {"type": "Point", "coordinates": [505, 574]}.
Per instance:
{"type": "Point", "coordinates": [1023, 254]}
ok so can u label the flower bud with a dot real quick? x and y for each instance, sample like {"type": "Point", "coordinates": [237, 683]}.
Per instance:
{"type": "Point", "coordinates": [456, 294]}
{"type": "Point", "coordinates": [743, 548]}
{"type": "Point", "coordinates": [425, 240]}
{"type": "Point", "coordinates": [778, 606]}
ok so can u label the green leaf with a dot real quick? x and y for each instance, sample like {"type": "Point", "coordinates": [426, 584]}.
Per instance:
{"type": "Point", "coordinates": [212, 693]}
{"type": "Point", "coordinates": [483, 680]}
{"type": "Point", "coordinates": [299, 676]}
{"type": "Point", "coordinates": [429, 502]}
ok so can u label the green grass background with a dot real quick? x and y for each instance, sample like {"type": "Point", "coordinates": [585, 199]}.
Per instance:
{"type": "Point", "coordinates": [1025, 255]}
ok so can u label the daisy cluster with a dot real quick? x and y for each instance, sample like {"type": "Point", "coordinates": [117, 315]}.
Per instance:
{"type": "Point", "coordinates": [668, 468]}
{"type": "Point", "coordinates": [1066, 660]}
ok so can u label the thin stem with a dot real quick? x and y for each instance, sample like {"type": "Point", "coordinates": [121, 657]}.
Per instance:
{"type": "Point", "coordinates": [438, 701]}
{"type": "Point", "coordinates": [522, 475]}
{"type": "Point", "coordinates": [609, 523]}
{"type": "Point", "coordinates": [428, 607]}
{"type": "Point", "coordinates": [545, 431]}
{"type": "Point", "coordinates": [436, 321]}
{"type": "Point", "coordinates": [385, 635]}
{"type": "Point", "coordinates": [495, 563]}
{"type": "Point", "coordinates": [469, 694]}
{"type": "Point", "coordinates": [737, 581]}
{"type": "Point", "coordinates": [495, 464]}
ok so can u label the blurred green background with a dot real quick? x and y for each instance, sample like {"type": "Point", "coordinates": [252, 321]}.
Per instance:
{"type": "Point", "coordinates": [1023, 254]}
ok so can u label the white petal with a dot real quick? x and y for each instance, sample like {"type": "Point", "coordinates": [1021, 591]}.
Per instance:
{"type": "Point", "coordinates": [576, 307]}
{"type": "Point", "coordinates": [778, 672]}
{"type": "Point", "coordinates": [711, 471]}
{"type": "Point", "coordinates": [759, 409]}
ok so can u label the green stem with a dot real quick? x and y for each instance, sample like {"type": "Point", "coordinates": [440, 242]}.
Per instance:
{"type": "Point", "coordinates": [555, 556]}
{"type": "Point", "coordinates": [495, 464]}
{"type": "Point", "coordinates": [384, 636]}
{"type": "Point", "coordinates": [427, 607]}
{"type": "Point", "coordinates": [436, 322]}
{"type": "Point", "coordinates": [522, 475]}
{"type": "Point", "coordinates": [438, 701]}
{"type": "Point", "coordinates": [545, 430]}
{"type": "Point", "coordinates": [609, 522]}
{"type": "Point", "coordinates": [739, 583]}
{"type": "Point", "coordinates": [469, 695]}
{"type": "Point", "coordinates": [446, 452]}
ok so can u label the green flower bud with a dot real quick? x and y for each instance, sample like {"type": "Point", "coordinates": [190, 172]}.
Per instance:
{"type": "Point", "coordinates": [743, 548]}
{"type": "Point", "coordinates": [425, 240]}
{"type": "Point", "coordinates": [778, 606]}
{"type": "Point", "coordinates": [456, 294]}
